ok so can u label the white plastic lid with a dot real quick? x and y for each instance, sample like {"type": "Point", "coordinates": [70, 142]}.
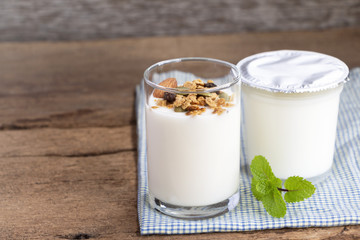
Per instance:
{"type": "Point", "coordinates": [292, 71]}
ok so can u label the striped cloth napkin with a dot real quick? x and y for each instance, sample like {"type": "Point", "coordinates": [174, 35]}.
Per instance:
{"type": "Point", "coordinates": [335, 202]}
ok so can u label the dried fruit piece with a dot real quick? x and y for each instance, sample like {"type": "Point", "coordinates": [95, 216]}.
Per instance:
{"type": "Point", "coordinates": [169, 97]}
{"type": "Point", "coordinates": [205, 94]}
{"type": "Point", "coordinates": [169, 83]}
{"type": "Point", "coordinates": [181, 88]}
{"type": "Point", "coordinates": [210, 85]}
{"type": "Point", "coordinates": [224, 95]}
{"type": "Point", "coordinates": [179, 109]}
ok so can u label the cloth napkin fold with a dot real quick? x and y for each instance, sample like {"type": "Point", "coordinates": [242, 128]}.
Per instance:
{"type": "Point", "coordinates": [335, 202]}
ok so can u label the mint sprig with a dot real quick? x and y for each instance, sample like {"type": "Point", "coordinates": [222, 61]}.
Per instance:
{"type": "Point", "coordinates": [267, 188]}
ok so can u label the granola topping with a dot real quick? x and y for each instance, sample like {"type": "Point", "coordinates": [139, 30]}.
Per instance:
{"type": "Point", "coordinates": [196, 103]}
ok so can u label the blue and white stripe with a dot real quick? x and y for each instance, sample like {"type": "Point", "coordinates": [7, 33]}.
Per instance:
{"type": "Point", "coordinates": [336, 201]}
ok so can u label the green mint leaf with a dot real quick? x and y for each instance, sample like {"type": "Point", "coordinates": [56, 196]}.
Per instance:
{"type": "Point", "coordinates": [268, 189]}
{"type": "Point", "coordinates": [264, 187]}
{"type": "Point", "coordinates": [298, 189]}
{"type": "Point", "coordinates": [274, 203]}
{"type": "Point", "coordinates": [260, 168]}
{"type": "Point", "coordinates": [255, 192]}
{"type": "Point", "coordinates": [276, 182]}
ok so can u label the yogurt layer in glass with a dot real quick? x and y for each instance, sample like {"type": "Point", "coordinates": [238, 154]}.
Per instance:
{"type": "Point", "coordinates": [291, 101]}
{"type": "Point", "coordinates": [193, 137]}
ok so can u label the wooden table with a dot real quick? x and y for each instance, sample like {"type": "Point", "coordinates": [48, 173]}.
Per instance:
{"type": "Point", "coordinates": [68, 130]}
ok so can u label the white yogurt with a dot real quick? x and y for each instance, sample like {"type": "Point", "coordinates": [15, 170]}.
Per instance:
{"type": "Point", "coordinates": [291, 101]}
{"type": "Point", "coordinates": [193, 160]}
{"type": "Point", "coordinates": [295, 132]}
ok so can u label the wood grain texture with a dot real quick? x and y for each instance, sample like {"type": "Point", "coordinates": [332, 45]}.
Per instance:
{"type": "Point", "coordinates": [68, 135]}
{"type": "Point", "coordinates": [82, 84]}
{"type": "Point", "coordinates": [24, 20]}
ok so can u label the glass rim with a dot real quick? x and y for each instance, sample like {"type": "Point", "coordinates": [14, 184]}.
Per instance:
{"type": "Point", "coordinates": [233, 67]}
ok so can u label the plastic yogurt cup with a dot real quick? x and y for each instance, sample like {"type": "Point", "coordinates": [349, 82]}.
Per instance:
{"type": "Point", "coordinates": [291, 100]}
{"type": "Point", "coordinates": [193, 136]}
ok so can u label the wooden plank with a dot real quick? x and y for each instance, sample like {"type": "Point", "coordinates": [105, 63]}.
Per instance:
{"type": "Point", "coordinates": [24, 20]}
{"type": "Point", "coordinates": [59, 183]}
{"type": "Point", "coordinates": [80, 142]}
{"type": "Point", "coordinates": [91, 84]}
{"type": "Point", "coordinates": [62, 197]}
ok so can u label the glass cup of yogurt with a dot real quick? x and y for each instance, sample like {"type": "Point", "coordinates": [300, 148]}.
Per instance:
{"type": "Point", "coordinates": [290, 105]}
{"type": "Point", "coordinates": [193, 136]}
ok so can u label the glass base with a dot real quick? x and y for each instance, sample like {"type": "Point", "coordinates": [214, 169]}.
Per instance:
{"type": "Point", "coordinates": [320, 178]}
{"type": "Point", "coordinates": [195, 213]}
